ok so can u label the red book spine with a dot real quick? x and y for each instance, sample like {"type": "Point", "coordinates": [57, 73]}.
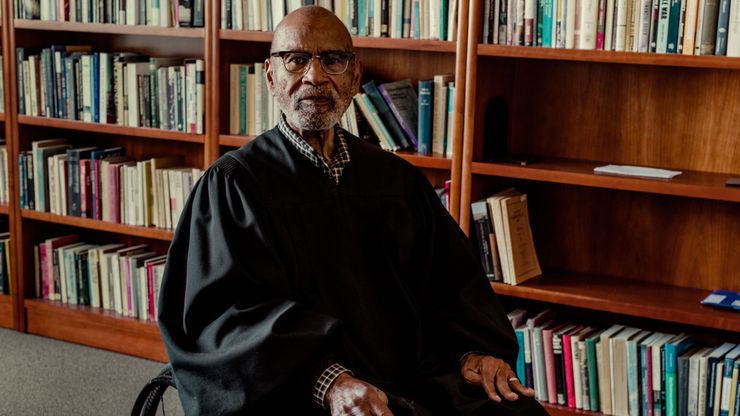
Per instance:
{"type": "Point", "coordinates": [150, 289]}
{"type": "Point", "coordinates": [552, 394]}
{"type": "Point", "coordinates": [567, 355]}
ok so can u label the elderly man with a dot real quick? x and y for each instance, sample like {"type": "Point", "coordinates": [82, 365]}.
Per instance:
{"type": "Point", "coordinates": [313, 273]}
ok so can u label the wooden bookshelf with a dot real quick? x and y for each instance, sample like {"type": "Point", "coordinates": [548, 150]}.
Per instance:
{"type": "Point", "coordinates": [611, 57]}
{"type": "Point", "coordinates": [3, 209]}
{"type": "Point", "coordinates": [434, 161]}
{"type": "Point", "coordinates": [2, 116]}
{"type": "Point", "coordinates": [144, 132]}
{"type": "Point", "coordinates": [95, 328]}
{"type": "Point", "coordinates": [625, 297]}
{"type": "Point", "coordinates": [692, 184]}
{"type": "Point", "coordinates": [233, 140]}
{"type": "Point", "coordinates": [90, 224]}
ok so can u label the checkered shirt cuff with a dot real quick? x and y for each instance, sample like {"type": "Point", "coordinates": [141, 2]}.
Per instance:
{"type": "Point", "coordinates": [323, 383]}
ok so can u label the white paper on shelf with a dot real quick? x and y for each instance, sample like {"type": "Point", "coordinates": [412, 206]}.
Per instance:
{"type": "Point", "coordinates": [639, 171]}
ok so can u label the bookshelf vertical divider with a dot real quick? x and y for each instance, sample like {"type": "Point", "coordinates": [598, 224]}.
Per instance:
{"type": "Point", "coordinates": [11, 140]}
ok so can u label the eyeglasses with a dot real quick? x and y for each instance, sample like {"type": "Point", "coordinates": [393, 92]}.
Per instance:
{"type": "Point", "coordinates": [333, 63]}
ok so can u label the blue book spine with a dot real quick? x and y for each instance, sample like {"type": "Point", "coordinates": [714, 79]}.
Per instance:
{"type": "Point", "coordinates": [22, 181]}
{"type": "Point", "coordinates": [736, 408]}
{"type": "Point", "coordinates": [547, 23]}
{"type": "Point", "coordinates": [672, 351]}
{"type": "Point", "coordinates": [415, 19]}
{"type": "Point", "coordinates": [426, 99]}
{"type": "Point", "coordinates": [95, 77]}
{"type": "Point", "coordinates": [362, 17]}
{"type": "Point", "coordinates": [723, 22]}
{"type": "Point", "coordinates": [673, 22]}
{"type": "Point", "coordinates": [443, 18]}
{"type": "Point", "coordinates": [520, 371]}
{"type": "Point", "coordinates": [644, 382]}
{"type": "Point", "coordinates": [386, 116]}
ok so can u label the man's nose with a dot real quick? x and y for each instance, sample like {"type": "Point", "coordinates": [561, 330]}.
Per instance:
{"type": "Point", "coordinates": [315, 74]}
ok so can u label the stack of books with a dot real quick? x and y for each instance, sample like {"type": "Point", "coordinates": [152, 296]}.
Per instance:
{"type": "Point", "coordinates": [127, 89]}
{"type": "Point", "coordinates": [116, 277]}
{"type": "Point", "coordinates": [621, 370]}
{"type": "Point", "coordinates": [688, 27]}
{"type": "Point", "coordinates": [104, 184]}
{"type": "Point", "coordinates": [504, 237]}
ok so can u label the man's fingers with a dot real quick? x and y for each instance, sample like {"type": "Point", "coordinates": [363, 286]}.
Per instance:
{"type": "Point", "coordinates": [488, 375]}
{"type": "Point", "coordinates": [503, 380]}
{"type": "Point", "coordinates": [518, 387]}
{"type": "Point", "coordinates": [472, 377]}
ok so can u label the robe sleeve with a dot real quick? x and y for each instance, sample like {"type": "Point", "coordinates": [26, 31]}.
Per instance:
{"type": "Point", "coordinates": [236, 341]}
{"type": "Point", "coordinates": [470, 316]}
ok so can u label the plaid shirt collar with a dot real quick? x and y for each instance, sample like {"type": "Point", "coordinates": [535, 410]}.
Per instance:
{"type": "Point", "coordinates": [341, 154]}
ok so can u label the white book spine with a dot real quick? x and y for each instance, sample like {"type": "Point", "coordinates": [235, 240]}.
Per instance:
{"type": "Point", "coordinates": [620, 25]}
{"type": "Point", "coordinates": [733, 30]}
{"type": "Point", "coordinates": [589, 20]}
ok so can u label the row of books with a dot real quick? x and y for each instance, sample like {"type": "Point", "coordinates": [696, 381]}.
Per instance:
{"type": "Point", "coordinates": [402, 121]}
{"type": "Point", "coordinates": [5, 274]}
{"type": "Point", "coordinates": [689, 27]}
{"type": "Point", "coordinates": [116, 277]}
{"type": "Point", "coordinates": [252, 109]}
{"type": "Point", "coordinates": [414, 19]}
{"type": "Point", "coordinates": [624, 371]}
{"type": "Point", "coordinates": [503, 236]}
{"type": "Point", "coordinates": [166, 13]}
{"type": "Point", "coordinates": [72, 82]}
{"type": "Point", "coordinates": [104, 184]}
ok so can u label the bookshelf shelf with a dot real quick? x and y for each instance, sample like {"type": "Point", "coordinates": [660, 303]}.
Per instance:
{"type": "Point", "coordinates": [107, 28]}
{"type": "Point", "coordinates": [6, 311]}
{"type": "Point", "coordinates": [143, 132]}
{"type": "Point", "coordinates": [90, 224]}
{"type": "Point", "coordinates": [2, 116]}
{"type": "Point", "coordinates": [233, 140]}
{"type": "Point", "coordinates": [95, 327]}
{"type": "Point", "coordinates": [693, 184]}
{"type": "Point", "coordinates": [626, 297]}
{"type": "Point", "coordinates": [426, 161]}
{"type": "Point", "coordinates": [359, 41]}
{"type": "Point", "coordinates": [632, 58]}
{"type": "Point", "coordinates": [4, 209]}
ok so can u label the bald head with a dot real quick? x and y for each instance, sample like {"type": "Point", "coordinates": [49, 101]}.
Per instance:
{"type": "Point", "coordinates": [309, 25]}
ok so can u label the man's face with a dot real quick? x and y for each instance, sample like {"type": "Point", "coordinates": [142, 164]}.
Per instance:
{"type": "Point", "coordinates": [312, 100]}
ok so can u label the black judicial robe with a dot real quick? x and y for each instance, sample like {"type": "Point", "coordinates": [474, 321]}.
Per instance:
{"type": "Point", "coordinates": [275, 272]}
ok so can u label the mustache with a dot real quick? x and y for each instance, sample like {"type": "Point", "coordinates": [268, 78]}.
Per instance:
{"type": "Point", "coordinates": [315, 92]}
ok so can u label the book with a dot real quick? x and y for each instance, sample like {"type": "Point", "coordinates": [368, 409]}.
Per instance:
{"type": "Point", "coordinates": [376, 124]}
{"type": "Point", "coordinates": [482, 229]}
{"type": "Point", "coordinates": [522, 258]}
{"type": "Point", "coordinates": [619, 370]}
{"type": "Point", "coordinates": [634, 371]}
{"type": "Point", "coordinates": [673, 348]}
{"type": "Point", "coordinates": [605, 383]}
{"type": "Point", "coordinates": [636, 171]}
{"type": "Point", "coordinates": [559, 359]}
{"type": "Point", "coordinates": [424, 129]}
{"type": "Point", "coordinates": [439, 113]}
{"type": "Point", "coordinates": [404, 105]}
{"type": "Point", "coordinates": [386, 116]}
{"type": "Point", "coordinates": [724, 299]}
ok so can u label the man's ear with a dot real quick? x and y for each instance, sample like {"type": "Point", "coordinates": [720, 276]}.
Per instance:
{"type": "Point", "coordinates": [357, 77]}
{"type": "Point", "coordinates": [268, 77]}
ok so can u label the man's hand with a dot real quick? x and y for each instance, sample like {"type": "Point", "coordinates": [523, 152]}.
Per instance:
{"type": "Point", "coordinates": [494, 375]}
{"type": "Point", "coordinates": [350, 396]}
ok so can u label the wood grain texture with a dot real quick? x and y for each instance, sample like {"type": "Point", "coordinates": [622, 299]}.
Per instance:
{"type": "Point", "coordinates": [683, 242]}
{"type": "Point", "coordinates": [3, 209]}
{"type": "Point", "coordinates": [88, 223]}
{"type": "Point", "coordinates": [705, 185]}
{"type": "Point", "coordinates": [144, 132]}
{"type": "Point", "coordinates": [7, 315]}
{"type": "Point", "coordinates": [611, 57]}
{"type": "Point", "coordinates": [96, 328]}
{"type": "Point", "coordinates": [642, 299]}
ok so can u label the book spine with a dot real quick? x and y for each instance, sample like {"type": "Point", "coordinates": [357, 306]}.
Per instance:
{"type": "Point", "coordinates": [673, 22]}
{"type": "Point", "coordinates": [723, 21]}
{"type": "Point", "coordinates": [426, 94]}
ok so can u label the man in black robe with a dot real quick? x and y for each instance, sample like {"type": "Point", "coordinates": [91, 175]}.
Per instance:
{"type": "Point", "coordinates": [313, 273]}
